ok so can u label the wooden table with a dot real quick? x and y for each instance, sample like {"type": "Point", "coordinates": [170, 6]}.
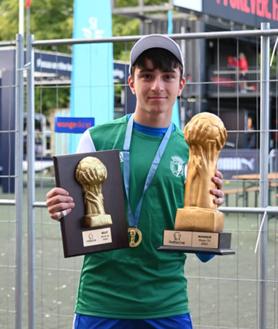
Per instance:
{"type": "Point", "coordinates": [250, 184]}
{"type": "Point", "coordinates": [255, 177]}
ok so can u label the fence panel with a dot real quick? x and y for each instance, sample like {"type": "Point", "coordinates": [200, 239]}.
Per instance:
{"type": "Point", "coordinates": [227, 292]}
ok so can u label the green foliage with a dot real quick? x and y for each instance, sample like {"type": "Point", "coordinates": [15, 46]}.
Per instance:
{"type": "Point", "coordinates": [155, 2]}
{"type": "Point", "coordinates": [124, 26]}
{"type": "Point", "coordinates": [49, 98]}
{"type": "Point", "coordinates": [126, 3]}
{"type": "Point", "coordinates": [50, 19]}
{"type": "Point", "coordinates": [133, 3]}
{"type": "Point", "coordinates": [53, 19]}
{"type": "Point", "coordinates": [8, 19]}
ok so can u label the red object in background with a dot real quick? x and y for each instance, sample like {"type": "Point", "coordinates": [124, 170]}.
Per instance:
{"type": "Point", "coordinates": [231, 61]}
{"type": "Point", "coordinates": [28, 3]}
{"type": "Point", "coordinates": [243, 63]}
{"type": "Point", "coordinates": [223, 81]}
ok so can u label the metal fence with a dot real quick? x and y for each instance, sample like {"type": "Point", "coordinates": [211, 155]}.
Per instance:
{"type": "Point", "coordinates": [38, 285]}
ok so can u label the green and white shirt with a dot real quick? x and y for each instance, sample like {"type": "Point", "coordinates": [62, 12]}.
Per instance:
{"type": "Point", "coordinates": [142, 282]}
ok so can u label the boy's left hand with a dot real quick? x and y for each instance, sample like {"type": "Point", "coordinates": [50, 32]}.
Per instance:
{"type": "Point", "coordinates": [218, 192]}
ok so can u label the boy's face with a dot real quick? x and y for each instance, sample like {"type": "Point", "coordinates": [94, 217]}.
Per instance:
{"type": "Point", "coordinates": [156, 91]}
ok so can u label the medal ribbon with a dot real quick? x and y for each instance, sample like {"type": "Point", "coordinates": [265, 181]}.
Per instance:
{"type": "Point", "coordinates": [133, 219]}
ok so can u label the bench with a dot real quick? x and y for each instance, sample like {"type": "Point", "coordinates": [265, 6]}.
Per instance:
{"type": "Point", "coordinates": [233, 191]}
{"type": "Point", "coordinates": [240, 192]}
{"type": "Point", "coordinates": [256, 190]}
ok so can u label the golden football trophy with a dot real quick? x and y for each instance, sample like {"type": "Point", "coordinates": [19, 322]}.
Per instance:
{"type": "Point", "coordinates": [206, 136]}
{"type": "Point", "coordinates": [199, 225]}
{"type": "Point", "coordinates": [91, 174]}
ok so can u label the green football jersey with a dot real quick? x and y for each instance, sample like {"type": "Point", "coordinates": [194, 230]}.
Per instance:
{"type": "Point", "coordinates": [142, 282]}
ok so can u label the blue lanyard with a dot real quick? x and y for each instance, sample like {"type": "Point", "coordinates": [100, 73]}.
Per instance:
{"type": "Point", "coordinates": [133, 219]}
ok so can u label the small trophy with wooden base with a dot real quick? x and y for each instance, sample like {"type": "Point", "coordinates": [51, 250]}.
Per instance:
{"type": "Point", "coordinates": [97, 222]}
{"type": "Point", "coordinates": [199, 225]}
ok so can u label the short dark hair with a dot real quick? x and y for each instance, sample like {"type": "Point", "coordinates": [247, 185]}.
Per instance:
{"type": "Point", "coordinates": [162, 59]}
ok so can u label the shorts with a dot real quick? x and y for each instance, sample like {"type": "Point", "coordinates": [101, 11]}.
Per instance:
{"type": "Point", "coordinates": [92, 322]}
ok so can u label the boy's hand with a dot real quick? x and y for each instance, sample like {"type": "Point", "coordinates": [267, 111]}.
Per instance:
{"type": "Point", "coordinates": [59, 203]}
{"type": "Point", "coordinates": [218, 192]}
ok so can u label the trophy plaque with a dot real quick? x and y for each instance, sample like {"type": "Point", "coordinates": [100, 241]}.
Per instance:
{"type": "Point", "coordinates": [199, 225]}
{"type": "Point", "coordinates": [97, 222]}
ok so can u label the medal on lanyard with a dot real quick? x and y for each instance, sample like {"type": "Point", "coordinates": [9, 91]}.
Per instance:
{"type": "Point", "coordinates": [135, 235]}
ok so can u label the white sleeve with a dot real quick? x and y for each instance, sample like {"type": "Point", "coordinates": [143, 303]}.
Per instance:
{"type": "Point", "coordinates": [86, 143]}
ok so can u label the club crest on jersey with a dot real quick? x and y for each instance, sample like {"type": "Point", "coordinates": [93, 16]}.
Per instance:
{"type": "Point", "coordinates": [177, 166]}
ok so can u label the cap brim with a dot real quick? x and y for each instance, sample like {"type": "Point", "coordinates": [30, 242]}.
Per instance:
{"type": "Point", "coordinates": [155, 41]}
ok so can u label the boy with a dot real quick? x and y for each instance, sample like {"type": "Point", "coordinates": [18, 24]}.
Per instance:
{"type": "Point", "coordinates": [141, 287]}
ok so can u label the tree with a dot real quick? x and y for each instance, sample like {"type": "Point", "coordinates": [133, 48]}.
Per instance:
{"type": "Point", "coordinates": [8, 19]}
{"type": "Point", "coordinates": [52, 19]}
{"type": "Point", "coordinates": [133, 3]}
{"type": "Point", "coordinates": [123, 26]}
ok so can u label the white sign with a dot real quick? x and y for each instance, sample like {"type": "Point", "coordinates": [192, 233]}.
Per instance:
{"type": "Point", "coordinates": [195, 5]}
{"type": "Point", "coordinates": [96, 237]}
{"type": "Point", "coordinates": [93, 31]}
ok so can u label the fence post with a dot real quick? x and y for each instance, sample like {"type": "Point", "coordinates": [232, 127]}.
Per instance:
{"type": "Point", "coordinates": [19, 108]}
{"type": "Point", "coordinates": [31, 180]}
{"type": "Point", "coordinates": [264, 149]}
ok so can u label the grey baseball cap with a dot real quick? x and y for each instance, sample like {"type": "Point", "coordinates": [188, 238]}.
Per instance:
{"type": "Point", "coordinates": [155, 41]}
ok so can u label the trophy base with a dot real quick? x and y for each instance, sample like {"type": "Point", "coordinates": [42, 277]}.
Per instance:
{"type": "Point", "coordinates": [93, 221]}
{"type": "Point", "coordinates": [194, 242]}
{"type": "Point", "coordinates": [199, 219]}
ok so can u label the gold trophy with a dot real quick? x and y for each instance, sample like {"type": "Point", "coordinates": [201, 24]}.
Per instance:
{"type": "Point", "coordinates": [91, 174]}
{"type": "Point", "coordinates": [199, 225]}
{"type": "Point", "coordinates": [98, 221]}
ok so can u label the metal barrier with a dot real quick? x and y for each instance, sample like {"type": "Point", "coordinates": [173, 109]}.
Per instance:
{"type": "Point", "coordinates": [263, 315]}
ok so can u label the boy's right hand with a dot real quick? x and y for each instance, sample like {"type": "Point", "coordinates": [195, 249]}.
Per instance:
{"type": "Point", "coordinates": [59, 203]}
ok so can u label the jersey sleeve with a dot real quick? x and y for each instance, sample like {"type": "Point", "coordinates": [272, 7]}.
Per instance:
{"type": "Point", "coordinates": [86, 143]}
{"type": "Point", "coordinates": [204, 257]}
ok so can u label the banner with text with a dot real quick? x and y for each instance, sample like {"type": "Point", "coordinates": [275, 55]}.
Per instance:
{"type": "Point", "coordinates": [238, 162]}
{"type": "Point", "coordinates": [249, 12]}
{"type": "Point", "coordinates": [72, 125]}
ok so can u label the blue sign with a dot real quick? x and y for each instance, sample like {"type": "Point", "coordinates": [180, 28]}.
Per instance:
{"type": "Point", "coordinates": [73, 125]}
{"type": "Point", "coordinates": [92, 88]}
{"type": "Point", "coordinates": [52, 63]}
